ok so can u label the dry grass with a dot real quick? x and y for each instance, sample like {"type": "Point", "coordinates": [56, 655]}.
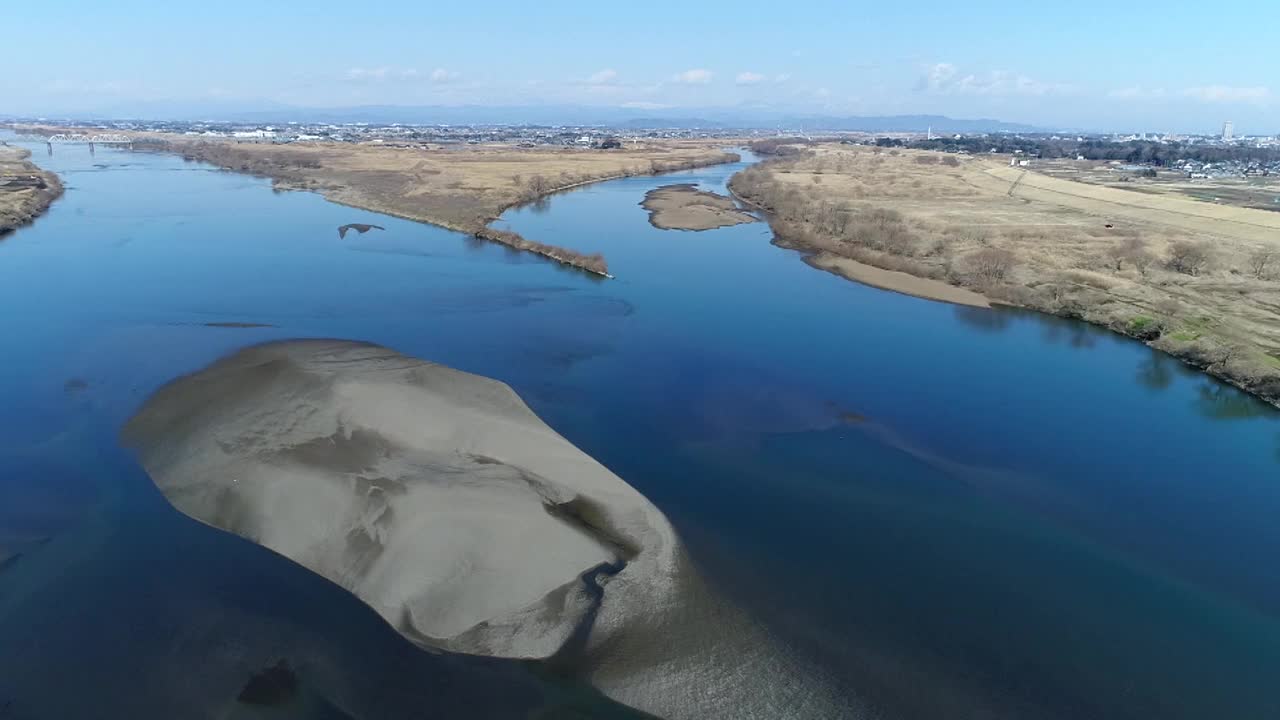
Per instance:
{"type": "Point", "coordinates": [25, 190]}
{"type": "Point", "coordinates": [1252, 192]}
{"type": "Point", "coordinates": [685, 207]}
{"type": "Point", "coordinates": [460, 187]}
{"type": "Point", "coordinates": [1181, 274]}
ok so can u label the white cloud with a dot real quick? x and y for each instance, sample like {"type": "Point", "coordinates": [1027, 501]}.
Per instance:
{"type": "Point", "coordinates": [365, 74]}
{"type": "Point", "coordinates": [749, 78]}
{"type": "Point", "coordinates": [1137, 93]}
{"type": "Point", "coordinates": [781, 78]}
{"type": "Point", "coordinates": [938, 77]}
{"type": "Point", "coordinates": [440, 75]}
{"type": "Point", "coordinates": [380, 74]}
{"type": "Point", "coordinates": [693, 77]}
{"type": "Point", "coordinates": [947, 79]}
{"type": "Point", "coordinates": [641, 105]}
{"type": "Point", "coordinates": [1215, 94]}
{"type": "Point", "coordinates": [1227, 94]}
{"type": "Point", "coordinates": [603, 77]}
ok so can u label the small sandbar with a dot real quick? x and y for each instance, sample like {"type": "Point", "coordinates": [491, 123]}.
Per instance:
{"type": "Point", "coordinates": [897, 281]}
{"type": "Point", "coordinates": [685, 207]}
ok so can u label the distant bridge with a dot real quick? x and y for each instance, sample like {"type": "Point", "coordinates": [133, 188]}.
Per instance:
{"type": "Point", "coordinates": [82, 139]}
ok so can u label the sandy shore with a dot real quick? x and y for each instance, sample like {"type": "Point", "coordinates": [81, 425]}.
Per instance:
{"type": "Point", "coordinates": [26, 191]}
{"type": "Point", "coordinates": [899, 282]}
{"type": "Point", "coordinates": [685, 207]}
{"type": "Point", "coordinates": [440, 500]}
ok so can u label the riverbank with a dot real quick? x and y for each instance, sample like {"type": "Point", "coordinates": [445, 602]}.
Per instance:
{"type": "Point", "coordinates": [896, 281]}
{"type": "Point", "coordinates": [685, 207]}
{"type": "Point", "coordinates": [462, 188]}
{"type": "Point", "coordinates": [26, 191]}
{"type": "Point", "coordinates": [1195, 280]}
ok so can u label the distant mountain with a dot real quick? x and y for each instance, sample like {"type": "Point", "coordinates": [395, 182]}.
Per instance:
{"type": "Point", "coordinates": [905, 123]}
{"type": "Point", "coordinates": [736, 118]}
{"type": "Point", "coordinates": [658, 123]}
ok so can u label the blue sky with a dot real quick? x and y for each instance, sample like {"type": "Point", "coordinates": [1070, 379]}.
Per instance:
{"type": "Point", "coordinates": [1154, 66]}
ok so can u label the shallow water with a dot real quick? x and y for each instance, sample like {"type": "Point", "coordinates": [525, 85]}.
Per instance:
{"type": "Point", "coordinates": [958, 512]}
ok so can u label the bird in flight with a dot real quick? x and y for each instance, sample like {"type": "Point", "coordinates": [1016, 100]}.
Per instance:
{"type": "Point", "coordinates": [358, 227]}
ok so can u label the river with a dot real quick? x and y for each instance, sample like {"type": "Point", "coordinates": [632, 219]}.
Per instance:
{"type": "Point", "coordinates": [957, 512]}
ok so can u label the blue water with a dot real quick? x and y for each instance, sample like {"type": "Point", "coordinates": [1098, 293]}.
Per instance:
{"type": "Point", "coordinates": [957, 512]}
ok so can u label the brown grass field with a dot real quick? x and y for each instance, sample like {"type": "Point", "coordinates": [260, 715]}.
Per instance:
{"type": "Point", "coordinates": [1254, 192]}
{"type": "Point", "coordinates": [460, 187]}
{"type": "Point", "coordinates": [1199, 280]}
{"type": "Point", "coordinates": [25, 190]}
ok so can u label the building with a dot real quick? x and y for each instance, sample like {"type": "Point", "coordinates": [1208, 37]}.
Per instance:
{"type": "Point", "coordinates": [1228, 130]}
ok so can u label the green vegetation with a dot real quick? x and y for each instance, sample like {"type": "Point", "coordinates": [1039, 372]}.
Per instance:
{"type": "Point", "coordinates": [1141, 322]}
{"type": "Point", "coordinates": [1133, 151]}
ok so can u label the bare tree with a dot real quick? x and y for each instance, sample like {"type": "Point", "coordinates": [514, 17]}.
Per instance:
{"type": "Point", "coordinates": [538, 185]}
{"type": "Point", "coordinates": [1188, 257]}
{"type": "Point", "coordinates": [1261, 261]}
{"type": "Point", "coordinates": [1132, 250]}
{"type": "Point", "coordinates": [1142, 260]}
{"type": "Point", "coordinates": [991, 264]}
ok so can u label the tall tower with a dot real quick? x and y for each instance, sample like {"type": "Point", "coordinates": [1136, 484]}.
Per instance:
{"type": "Point", "coordinates": [1228, 130]}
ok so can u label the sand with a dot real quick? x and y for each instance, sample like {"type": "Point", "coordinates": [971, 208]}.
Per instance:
{"type": "Point", "coordinates": [899, 282]}
{"type": "Point", "coordinates": [685, 207]}
{"type": "Point", "coordinates": [440, 500]}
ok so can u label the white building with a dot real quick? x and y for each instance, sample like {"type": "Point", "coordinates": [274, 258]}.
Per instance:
{"type": "Point", "coordinates": [1228, 130]}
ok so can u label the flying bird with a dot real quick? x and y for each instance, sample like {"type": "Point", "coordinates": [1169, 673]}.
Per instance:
{"type": "Point", "coordinates": [358, 227]}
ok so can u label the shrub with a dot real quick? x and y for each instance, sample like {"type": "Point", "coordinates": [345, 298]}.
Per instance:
{"type": "Point", "coordinates": [1261, 261]}
{"type": "Point", "coordinates": [1188, 257]}
{"type": "Point", "coordinates": [950, 161]}
{"type": "Point", "coordinates": [1144, 328]}
{"type": "Point", "coordinates": [1132, 250]}
{"type": "Point", "coordinates": [990, 264]}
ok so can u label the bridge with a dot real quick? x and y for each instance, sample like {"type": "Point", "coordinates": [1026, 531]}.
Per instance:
{"type": "Point", "coordinates": [83, 139]}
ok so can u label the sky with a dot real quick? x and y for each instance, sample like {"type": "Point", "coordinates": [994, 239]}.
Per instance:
{"type": "Point", "coordinates": [1168, 66]}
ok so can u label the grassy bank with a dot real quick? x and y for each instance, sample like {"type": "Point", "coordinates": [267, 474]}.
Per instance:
{"type": "Point", "coordinates": [26, 191]}
{"type": "Point", "coordinates": [1196, 280]}
{"type": "Point", "coordinates": [461, 188]}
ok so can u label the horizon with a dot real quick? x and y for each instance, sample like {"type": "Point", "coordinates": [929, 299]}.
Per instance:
{"type": "Point", "coordinates": [824, 60]}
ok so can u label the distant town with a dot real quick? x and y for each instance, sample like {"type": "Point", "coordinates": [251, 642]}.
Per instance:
{"type": "Point", "coordinates": [1221, 155]}
{"type": "Point", "coordinates": [402, 134]}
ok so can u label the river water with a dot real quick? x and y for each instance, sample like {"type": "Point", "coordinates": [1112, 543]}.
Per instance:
{"type": "Point", "coordinates": [957, 512]}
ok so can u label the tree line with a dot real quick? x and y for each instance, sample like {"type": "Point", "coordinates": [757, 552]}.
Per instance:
{"type": "Point", "coordinates": [1145, 152]}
